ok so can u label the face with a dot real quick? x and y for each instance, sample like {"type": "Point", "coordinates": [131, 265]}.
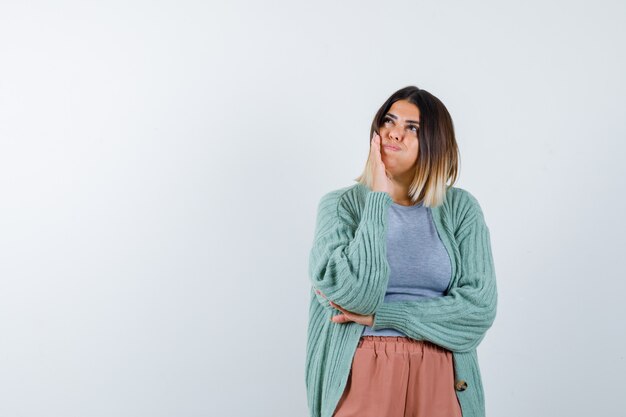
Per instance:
{"type": "Point", "coordinates": [399, 138]}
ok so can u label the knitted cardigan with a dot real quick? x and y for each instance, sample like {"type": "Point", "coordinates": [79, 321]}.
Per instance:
{"type": "Point", "coordinates": [348, 264]}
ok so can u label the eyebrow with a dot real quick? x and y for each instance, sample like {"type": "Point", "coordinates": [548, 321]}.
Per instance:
{"type": "Point", "coordinates": [394, 117]}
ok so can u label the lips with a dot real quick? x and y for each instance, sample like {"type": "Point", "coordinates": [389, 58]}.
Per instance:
{"type": "Point", "coordinates": [391, 148]}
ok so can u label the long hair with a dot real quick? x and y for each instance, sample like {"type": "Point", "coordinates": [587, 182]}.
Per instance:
{"type": "Point", "coordinates": [438, 154]}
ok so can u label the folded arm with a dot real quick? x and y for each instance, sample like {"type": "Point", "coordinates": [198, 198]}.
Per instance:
{"type": "Point", "coordinates": [459, 320]}
{"type": "Point", "coordinates": [348, 262]}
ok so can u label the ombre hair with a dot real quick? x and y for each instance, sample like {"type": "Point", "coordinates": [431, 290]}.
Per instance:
{"type": "Point", "coordinates": [438, 153]}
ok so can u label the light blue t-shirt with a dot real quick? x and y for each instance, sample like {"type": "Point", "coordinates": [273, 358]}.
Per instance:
{"type": "Point", "coordinates": [419, 265]}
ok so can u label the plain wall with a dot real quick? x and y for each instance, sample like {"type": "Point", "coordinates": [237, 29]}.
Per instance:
{"type": "Point", "coordinates": [161, 165]}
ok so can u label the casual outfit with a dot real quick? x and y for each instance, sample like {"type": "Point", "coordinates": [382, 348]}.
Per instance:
{"type": "Point", "coordinates": [428, 277]}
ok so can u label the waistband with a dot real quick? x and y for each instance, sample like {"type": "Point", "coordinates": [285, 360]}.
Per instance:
{"type": "Point", "coordinates": [398, 344]}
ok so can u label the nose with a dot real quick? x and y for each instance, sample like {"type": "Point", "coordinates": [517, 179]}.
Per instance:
{"type": "Point", "coordinates": [396, 133]}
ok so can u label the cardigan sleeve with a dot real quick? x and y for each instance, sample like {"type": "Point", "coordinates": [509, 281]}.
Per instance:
{"type": "Point", "coordinates": [348, 262]}
{"type": "Point", "coordinates": [458, 320]}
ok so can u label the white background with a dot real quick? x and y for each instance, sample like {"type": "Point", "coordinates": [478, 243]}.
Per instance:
{"type": "Point", "coordinates": [161, 164]}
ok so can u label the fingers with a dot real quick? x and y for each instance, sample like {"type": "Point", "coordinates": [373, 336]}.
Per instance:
{"type": "Point", "coordinates": [340, 318]}
{"type": "Point", "coordinates": [375, 148]}
{"type": "Point", "coordinates": [337, 306]}
{"type": "Point", "coordinates": [347, 316]}
{"type": "Point", "coordinates": [331, 303]}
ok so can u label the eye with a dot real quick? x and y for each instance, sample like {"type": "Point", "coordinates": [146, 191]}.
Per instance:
{"type": "Point", "coordinates": [414, 127]}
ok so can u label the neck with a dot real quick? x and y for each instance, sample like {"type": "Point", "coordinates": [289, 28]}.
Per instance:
{"type": "Point", "coordinates": [400, 189]}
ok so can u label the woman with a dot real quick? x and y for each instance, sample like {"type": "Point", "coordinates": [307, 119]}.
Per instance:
{"type": "Point", "coordinates": [403, 281]}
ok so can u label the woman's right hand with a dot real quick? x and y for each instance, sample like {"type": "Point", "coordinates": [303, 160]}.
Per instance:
{"type": "Point", "coordinates": [380, 180]}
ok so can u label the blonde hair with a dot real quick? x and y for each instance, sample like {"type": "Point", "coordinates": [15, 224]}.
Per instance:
{"type": "Point", "coordinates": [438, 155]}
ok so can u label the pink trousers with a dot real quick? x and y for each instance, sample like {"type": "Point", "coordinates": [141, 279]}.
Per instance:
{"type": "Point", "coordinates": [396, 376]}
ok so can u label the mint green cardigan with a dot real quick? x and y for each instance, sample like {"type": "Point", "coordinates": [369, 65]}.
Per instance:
{"type": "Point", "coordinates": [348, 264]}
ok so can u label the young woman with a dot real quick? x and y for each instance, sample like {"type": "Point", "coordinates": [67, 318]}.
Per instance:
{"type": "Point", "coordinates": [403, 280]}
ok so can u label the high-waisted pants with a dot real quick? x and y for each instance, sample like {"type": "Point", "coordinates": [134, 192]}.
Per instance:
{"type": "Point", "coordinates": [396, 376]}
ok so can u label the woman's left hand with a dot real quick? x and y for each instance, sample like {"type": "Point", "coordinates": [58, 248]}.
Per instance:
{"type": "Point", "coordinates": [348, 316]}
